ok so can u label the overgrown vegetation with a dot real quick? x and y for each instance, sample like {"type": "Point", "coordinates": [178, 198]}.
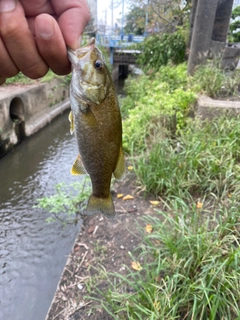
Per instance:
{"type": "Point", "coordinates": [188, 267]}
{"type": "Point", "coordinates": [159, 49]}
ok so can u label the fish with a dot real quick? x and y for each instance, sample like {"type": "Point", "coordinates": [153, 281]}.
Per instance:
{"type": "Point", "coordinates": [95, 119]}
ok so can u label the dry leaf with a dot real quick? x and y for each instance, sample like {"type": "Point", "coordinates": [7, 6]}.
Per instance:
{"type": "Point", "coordinates": [136, 266]}
{"type": "Point", "coordinates": [199, 205]}
{"type": "Point", "coordinates": [130, 168]}
{"type": "Point", "coordinates": [156, 305]}
{"type": "Point", "coordinates": [154, 202]}
{"type": "Point", "coordinates": [128, 197]}
{"type": "Point", "coordinates": [119, 195]}
{"type": "Point", "coordinates": [149, 228]}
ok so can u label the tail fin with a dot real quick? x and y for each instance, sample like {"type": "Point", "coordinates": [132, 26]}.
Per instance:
{"type": "Point", "coordinates": [103, 205]}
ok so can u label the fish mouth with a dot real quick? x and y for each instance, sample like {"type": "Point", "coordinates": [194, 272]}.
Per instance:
{"type": "Point", "coordinates": [82, 51]}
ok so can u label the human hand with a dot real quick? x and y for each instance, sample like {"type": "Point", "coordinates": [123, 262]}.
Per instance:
{"type": "Point", "coordinates": [34, 35]}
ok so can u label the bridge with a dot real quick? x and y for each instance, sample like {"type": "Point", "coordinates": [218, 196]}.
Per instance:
{"type": "Point", "coordinates": [121, 52]}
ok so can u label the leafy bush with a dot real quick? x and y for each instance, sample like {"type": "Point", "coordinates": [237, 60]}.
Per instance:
{"type": "Point", "coordinates": [67, 201]}
{"type": "Point", "coordinates": [235, 25]}
{"type": "Point", "coordinates": [159, 49]}
{"type": "Point", "coordinates": [154, 105]}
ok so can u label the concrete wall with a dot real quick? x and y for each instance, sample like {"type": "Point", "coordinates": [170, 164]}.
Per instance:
{"type": "Point", "coordinates": [24, 109]}
{"type": "Point", "coordinates": [208, 108]}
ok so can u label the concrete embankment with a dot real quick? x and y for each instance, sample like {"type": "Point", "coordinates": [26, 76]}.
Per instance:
{"type": "Point", "coordinates": [24, 109]}
{"type": "Point", "coordinates": [208, 108]}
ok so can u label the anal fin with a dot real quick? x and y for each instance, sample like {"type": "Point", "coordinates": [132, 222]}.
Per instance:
{"type": "Point", "coordinates": [78, 167]}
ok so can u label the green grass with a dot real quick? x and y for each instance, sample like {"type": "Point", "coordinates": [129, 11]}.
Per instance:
{"type": "Point", "coordinates": [215, 82]}
{"type": "Point", "coordinates": [202, 160]}
{"type": "Point", "coordinates": [190, 267]}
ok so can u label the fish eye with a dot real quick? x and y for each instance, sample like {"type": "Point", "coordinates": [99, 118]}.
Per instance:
{"type": "Point", "coordinates": [98, 64]}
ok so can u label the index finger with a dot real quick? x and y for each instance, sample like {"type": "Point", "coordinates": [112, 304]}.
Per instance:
{"type": "Point", "coordinates": [20, 44]}
{"type": "Point", "coordinates": [73, 16]}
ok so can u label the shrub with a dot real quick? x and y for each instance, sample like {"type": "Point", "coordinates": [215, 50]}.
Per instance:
{"type": "Point", "coordinates": [158, 50]}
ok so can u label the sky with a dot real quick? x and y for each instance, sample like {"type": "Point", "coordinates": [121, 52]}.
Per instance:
{"type": "Point", "coordinates": [104, 5]}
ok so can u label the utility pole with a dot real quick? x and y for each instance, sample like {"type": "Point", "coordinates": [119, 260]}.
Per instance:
{"type": "Point", "coordinates": [222, 20]}
{"type": "Point", "coordinates": [122, 16]}
{"type": "Point", "coordinates": [146, 19]}
{"type": "Point", "coordinates": [202, 33]}
{"type": "Point", "coordinates": [112, 17]}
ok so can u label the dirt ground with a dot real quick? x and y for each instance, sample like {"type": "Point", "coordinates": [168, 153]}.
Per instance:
{"type": "Point", "coordinates": [101, 242]}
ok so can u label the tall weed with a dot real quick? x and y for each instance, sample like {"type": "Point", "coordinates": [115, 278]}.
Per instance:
{"type": "Point", "coordinates": [190, 267]}
{"type": "Point", "coordinates": [203, 160]}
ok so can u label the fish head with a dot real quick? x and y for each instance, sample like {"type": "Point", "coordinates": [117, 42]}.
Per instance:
{"type": "Point", "coordinates": [90, 76]}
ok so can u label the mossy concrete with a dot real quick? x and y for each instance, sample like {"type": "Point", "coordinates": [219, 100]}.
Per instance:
{"type": "Point", "coordinates": [24, 109]}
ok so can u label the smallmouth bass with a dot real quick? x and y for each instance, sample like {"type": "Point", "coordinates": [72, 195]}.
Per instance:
{"type": "Point", "coordinates": [96, 121]}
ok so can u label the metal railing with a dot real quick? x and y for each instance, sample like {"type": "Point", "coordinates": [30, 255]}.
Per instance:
{"type": "Point", "coordinates": [114, 41]}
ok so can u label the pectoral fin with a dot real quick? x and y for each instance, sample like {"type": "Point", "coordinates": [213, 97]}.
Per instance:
{"type": "Point", "coordinates": [70, 118]}
{"type": "Point", "coordinates": [120, 168]}
{"type": "Point", "coordinates": [78, 167]}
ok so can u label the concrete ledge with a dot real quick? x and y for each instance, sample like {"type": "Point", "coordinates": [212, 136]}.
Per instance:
{"type": "Point", "coordinates": [208, 108]}
{"type": "Point", "coordinates": [24, 109]}
{"type": "Point", "coordinates": [33, 127]}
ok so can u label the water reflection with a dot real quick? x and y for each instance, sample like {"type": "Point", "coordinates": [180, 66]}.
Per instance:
{"type": "Point", "coordinates": [32, 252]}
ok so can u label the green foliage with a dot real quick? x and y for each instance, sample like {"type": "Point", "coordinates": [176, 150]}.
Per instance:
{"type": "Point", "coordinates": [235, 25]}
{"type": "Point", "coordinates": [190, 267]}
{"type": "Point", "coordinates": [203, 160]}
{"type": "Point", "coordinates": [152, 103]}
{"type": "Point", "coordinates": [214, 81]}
{"type": "Point", "coordinates": [159, 49]}
{"type": "Point", "coordinates": [135, 20]}
{"type": "Point", "coordinates": [68, 200]}
{"type": "Point", "coordinates": [19, 78]}
{"type": "Point", "coordinates": [236, 12]}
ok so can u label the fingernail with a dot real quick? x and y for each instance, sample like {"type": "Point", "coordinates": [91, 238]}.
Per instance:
{"type": "Point", "coordinates": [77, 44]}
{"type": "Point", "coordinates": [7, 5]}
{"type": "Point", "coordinates": [45, 30]}
{"type": "Point", "coordinates": [79, 41]}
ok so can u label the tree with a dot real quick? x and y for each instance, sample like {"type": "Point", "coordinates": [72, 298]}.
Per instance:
{"type": "Point", "coordinates": [135, 20]}
{"type": "Point", "coordinates": [164, 15]}
{"type": "Point", "coordinates": [235, 25]}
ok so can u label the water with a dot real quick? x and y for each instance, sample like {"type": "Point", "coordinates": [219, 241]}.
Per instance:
{"type": "Point", "coordinates": [32, 252]}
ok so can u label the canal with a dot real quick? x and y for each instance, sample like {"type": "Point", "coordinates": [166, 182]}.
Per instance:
{"type": "Point", "coordinates": [32, 252]}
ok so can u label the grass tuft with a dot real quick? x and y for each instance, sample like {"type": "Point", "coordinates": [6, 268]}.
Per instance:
{"type": "Point", "coordinates": [203, 160]}
{"type": "Point", "coordinates": [190, 267]}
